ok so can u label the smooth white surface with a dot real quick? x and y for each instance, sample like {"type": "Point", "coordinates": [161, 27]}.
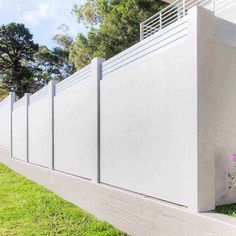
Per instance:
{"type": "Point", "coordinates": [224, 86]}
{"type": "Point", "coordinates": [40, 129]}
{"type": "Point", "coordinates": [227, 10]}
{"type": "Point", "coordinates": [19, 133]}
{"type": "Point", "coordinates": [225, 31]}
{"type": "Point", "coordinates": [205, 161]}
{"type": "Point", "coordinates": [148, 126]}
{"type": "Point", "coordinates": [5, 124]}
{"type": "Point", "coordinates": [170, 36]}
{"type": "Point", "coordinates": [75, 128]}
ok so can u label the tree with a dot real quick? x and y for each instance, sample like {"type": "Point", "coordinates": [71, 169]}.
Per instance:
{"type": "Point", "coordinates": [85, 48]}
{"type": "Point", "coordinates": [17, 51]}
{"type": "Point", "coordinates": [43, 65]}
{"type": "Point", "coordinates": [52, 64]}
{"type": "Point", "coordinates": [3, 91]}
{"type": "Point", "coordinates": [25, 66]}
{"type": "Point", "coordinates": [55, 63]}
{"type": "Point", "coordinates": [64, 45]}
{"type": "Point", "coordinates": [113, 26]}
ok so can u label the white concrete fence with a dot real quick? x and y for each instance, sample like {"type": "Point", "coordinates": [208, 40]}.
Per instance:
{"type": "Point", "coordinates": [157, 119]}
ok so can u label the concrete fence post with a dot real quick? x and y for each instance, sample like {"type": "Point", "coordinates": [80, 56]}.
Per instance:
{"type": "Point", "coordinates": [12, 98]}
{"type": "Point", "coordinates": [52, 90]}
{"type": "Point", "coordinates": [96, 69]}
{"type": "Point", "coordinates": [201, 31]}
{"type": "Point", "coordinates": [27, 95]}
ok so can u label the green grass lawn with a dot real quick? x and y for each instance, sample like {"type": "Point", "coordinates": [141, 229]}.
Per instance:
{"type": "Point", "coordinates": [227, 210]}
{"type": "Point", "coordinates": [27, 208]}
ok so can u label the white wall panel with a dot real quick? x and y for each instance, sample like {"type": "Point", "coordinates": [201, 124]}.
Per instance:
{"type": "Point", "coordinates": [5, 123]}
{"type": "Point", "coordinates": [226, 9]}
{"type": "Point", "coordinates": [40, 129]}
{"type": "Point", "coordinates": [225, 31]}
{"type": "Point", "coordinates": [76, 128]}
{"type": "Point", "coordinates": [19, 132]}
{"type": "Point", "coordinates": [223, 87]}
{"type": "Point", "coordinates": [149, 126]}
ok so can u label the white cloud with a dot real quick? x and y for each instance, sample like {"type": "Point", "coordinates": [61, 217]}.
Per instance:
{"type": "Point", "coordinates": [33, 17]}
{"type": "Point", "coordinates": [42, 17]}
{"type": "Point", "coordinates": [18, 7]}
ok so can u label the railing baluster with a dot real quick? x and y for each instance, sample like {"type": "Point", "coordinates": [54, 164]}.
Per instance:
{"type": "Point", "coordinates": [184, 7]}
{"type": "Point", "coordinates": [161, 20]}
{"type": "Point", "coordinates": [158, 21]}
{"type": "Point", "coordinates": [179, 12]}
{"type": "Point", "coordinates": [141, 31]}
{"type": "Point", "coordinates": [213, 5]}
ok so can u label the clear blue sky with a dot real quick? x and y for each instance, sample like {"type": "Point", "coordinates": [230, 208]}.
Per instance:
{"type": "Point", "coordinates": [42, 17]}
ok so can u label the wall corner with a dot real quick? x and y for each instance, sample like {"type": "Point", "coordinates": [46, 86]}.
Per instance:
{"type": "Point", "coordinates": [205, 111]}
{"type": "Point", "coordinates": [201, 37]}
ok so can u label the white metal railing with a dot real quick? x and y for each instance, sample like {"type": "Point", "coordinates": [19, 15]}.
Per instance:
{"type": "Point", "coordinates": [172, 13]}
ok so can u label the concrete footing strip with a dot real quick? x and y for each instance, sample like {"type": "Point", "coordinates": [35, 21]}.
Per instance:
{"type": "Point", "coordinates": [130, 212]}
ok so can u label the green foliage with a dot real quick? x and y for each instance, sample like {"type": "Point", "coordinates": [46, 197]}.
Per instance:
{"type": "Point", "coordinates": [113, 27]}
{"type": "Point", "coordinates": [63, 39]}
{"type": "Point", "coordinates": [88, 13]}
{"type": "Point", "coordinates": [25, 66]}
{"type": "Point", "coordinates": [3, 93]}
{"type": "Point", "coordinates": [17, 51]}
{"type": "Point", "coordinates": [29, 209]}
{"type": "Point", "coordinates": [55, 63]}
{"type": "Point", "coordinates": [52, 64]}
{"type": "Point", "coordinates": [65, 67]}
{"type": "Point", "coordinates": [85, 48]}
{"type": "Point", "coordinates": [227, 210]}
